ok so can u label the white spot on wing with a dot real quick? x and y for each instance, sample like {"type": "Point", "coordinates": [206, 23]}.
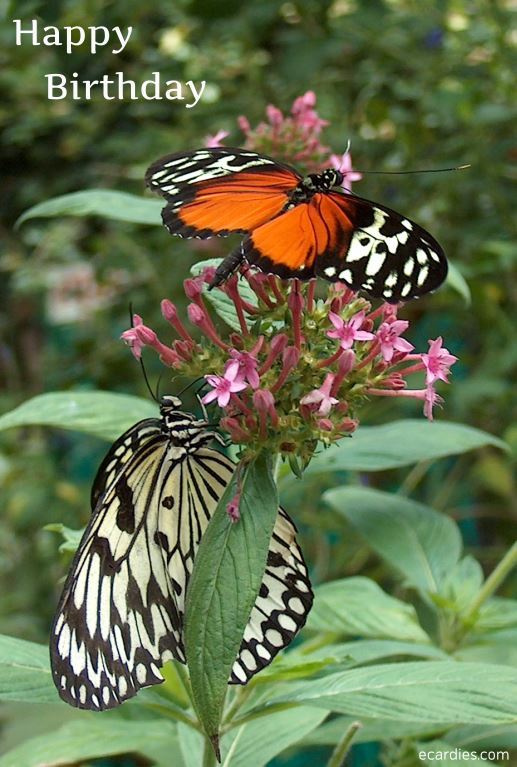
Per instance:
{"type": "Point", "coordinates": [346, 275]}
{"type": "Point", "coordinates": [409, 266]}
{"type": "Point", "coordinates": [422, 276]}
{"type": "Point", "coordinates": [375, 263]}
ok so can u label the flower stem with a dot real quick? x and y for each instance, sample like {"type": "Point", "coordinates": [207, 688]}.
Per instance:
{"type": "Point", "coordinates": [492, 583]}
{"type": "Point", "coordinates": [338, 756]}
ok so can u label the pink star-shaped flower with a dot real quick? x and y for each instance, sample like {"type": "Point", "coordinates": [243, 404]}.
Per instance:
{"type": "Point", "coordinates": [321, 396]}
{"type": "Point", "coordinates": [437, 362]}
{"type": "Point", "coordinates": [343, 164]}
{"type": "Point", "coordinates": [348, 332]}
{"type": "Point", "coordinates": [224, 386]}
{"type": "Point", "coordinates": [388, 336]}
{"type": "Point", "coordinates": [247, 367]}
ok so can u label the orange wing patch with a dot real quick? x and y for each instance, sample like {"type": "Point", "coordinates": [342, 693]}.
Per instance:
{"type": "Point", "coordinates": [291, 244]}
{"type": "Point", "coordinates": [228, 205]}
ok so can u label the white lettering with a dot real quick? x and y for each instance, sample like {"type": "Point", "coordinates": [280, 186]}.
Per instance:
{"type": "Point", "coordinates": [75, 36]}
{"type": "Point", "coordinates": [53, 36]}
{"type": "Point", "coordinates": [95, 41]}
{"type": "Point", "coordinates": [72, 40]}
{"type": "Point", "coordinates": [123, 40]}
{"type": "Point", "coordinates": [51, 86]}
{"type": "Point", "coordinates": [175, 92]}
{"type": "Point", "coordinates": [197, 94]}
{"type": "Point", "coordinates": [155, 82]}
{"type": "Point", "coordinates": [19, 31]}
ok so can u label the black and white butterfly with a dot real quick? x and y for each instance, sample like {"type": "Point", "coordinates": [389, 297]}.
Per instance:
{"type": "Point", "coordinates": [120, 616]}
{"type": "Point", "coordinates": [295, 226]}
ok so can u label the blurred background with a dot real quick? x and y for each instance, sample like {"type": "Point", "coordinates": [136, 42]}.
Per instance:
{"type": "Point", "coordinates": [411, 85]}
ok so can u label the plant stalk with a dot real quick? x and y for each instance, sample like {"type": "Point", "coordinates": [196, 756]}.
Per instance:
{"type": "Point", "coordinates": [340, 752]}
{"type": "Point", "coordinates": [209, 755]}
{"type": "Point", "coordinates": [492, 583]}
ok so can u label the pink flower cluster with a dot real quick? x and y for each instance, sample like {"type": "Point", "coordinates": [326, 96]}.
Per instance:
{"type": "Point", "coordinates": [298, 370]}
{"type": "Point", "coordinates": [292, 371]}
{"type": "Point", "coordinates": [294, 138]}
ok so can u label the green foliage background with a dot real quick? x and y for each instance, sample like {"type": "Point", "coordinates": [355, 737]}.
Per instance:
{"type": "Point", "coordinates": [410, 84]}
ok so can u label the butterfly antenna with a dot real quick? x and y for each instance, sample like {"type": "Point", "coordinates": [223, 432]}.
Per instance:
{"type": "Point", "coordinates": [146, 378]}
{"type": "Point", "coordinates": [158, 397]}
{"type": "Point", "coordinates": [192, 383]}
{"type": "Point", "coordinates": [404, 172]}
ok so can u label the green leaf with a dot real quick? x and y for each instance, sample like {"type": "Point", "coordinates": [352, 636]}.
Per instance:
{"type": "Point", "coordinates": [434, 691]}
{"type": "Point", "coordinates": [260, 740]}
{"type": "Point", "coordinates": [25, 672]}
{"type": "Point", "coordinates": [71, 538]}
{"type": "Point", "coordinates": [415, 540]}
{"type": "Point", "coordinates": [191, 745]}
{"type": "Point", "coordinates": [363, 651]}
{"type": "Point", "coordinates": [372, 729]}
{"type": "Point", "coordinates": [97, 737]}
{"type": "Point", "coordinates": [222, 304]}
{"type": "Point", "coordinates": [457, 282]}
{"type": "Point", "coordinates": [498, 736]}
{"type": "Point", "coordinates": [330, 658]}
{"type": "Point", "coordinates": [463, 583]}
{"type": "Point", "coordinates": [106, 203]}
{"type": "Point", "coordinates": [400, 443]}
{"type": "Point", "coordinates": [490, 647]}
{"type": "Point", "coordinates": [103, 414]}
{"type": "Point", "coordinates": [227, 574]}
{"type": "Point", "coordinates": [496, 614]}
{"type": "Point", "coordinates": [358, 606]}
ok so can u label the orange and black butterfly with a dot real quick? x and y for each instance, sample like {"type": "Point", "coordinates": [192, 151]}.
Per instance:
{"type": "Point", "coordinates": [295, 226]}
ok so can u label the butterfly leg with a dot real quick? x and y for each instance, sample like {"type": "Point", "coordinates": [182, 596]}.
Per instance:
{"type": "Point", "coordinates": [227, 267]}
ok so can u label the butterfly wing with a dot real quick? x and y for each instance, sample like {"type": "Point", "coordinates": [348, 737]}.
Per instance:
{"type": "Point", "coordinates": [120, 617]}
{"type": "Point", "coordinates": [386, 254]}
{"type": "Point", "coordinates": [282, 606]}
{"type": "Point", "coordinates": [343, 237]}
{"type": "Point", "coordinates": [217, 192]}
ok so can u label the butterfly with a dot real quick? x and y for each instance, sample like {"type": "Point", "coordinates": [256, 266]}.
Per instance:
{"type": "Point", "coordinates": [120, 616]}
{"type": "Point", "coordinates": [295, 226]}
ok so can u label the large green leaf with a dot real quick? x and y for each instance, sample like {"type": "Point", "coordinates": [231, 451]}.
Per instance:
{"type": "Point", "coordinates": [494, 736]}
{"type": "Point", "coordinates": [496, 614]}
{"type": "Point", "coordinates": [100, 413]}
{"type": "Point", "coordinates": [415, 540]}
{"type": "Point", "coordinates": [434, 691]}
{"type": "Point", "coordinates": [400, 443]}
{"type": "Point", "coordinates": [372, 729]}
{"type": "Point", "coordinates": [302, 662]}
{"type": "Point", "coordinates": [106, 203]}
{"type": "Point", "coordinates": [227, 574]}
{"type": "Point", "coordinates": [25, 672]}
{"type": "Point", "coordinates": [97, 737]}
{"type": "Point", "coordinates": [358, 606]}
{"type": "Point", "coordinates": [258, 741]}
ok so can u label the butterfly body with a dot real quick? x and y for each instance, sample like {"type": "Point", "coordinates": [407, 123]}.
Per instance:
{"type": "Point", "coordinates": [120, 616]}
{"type": "Point", "coordinates": [295, 226]}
